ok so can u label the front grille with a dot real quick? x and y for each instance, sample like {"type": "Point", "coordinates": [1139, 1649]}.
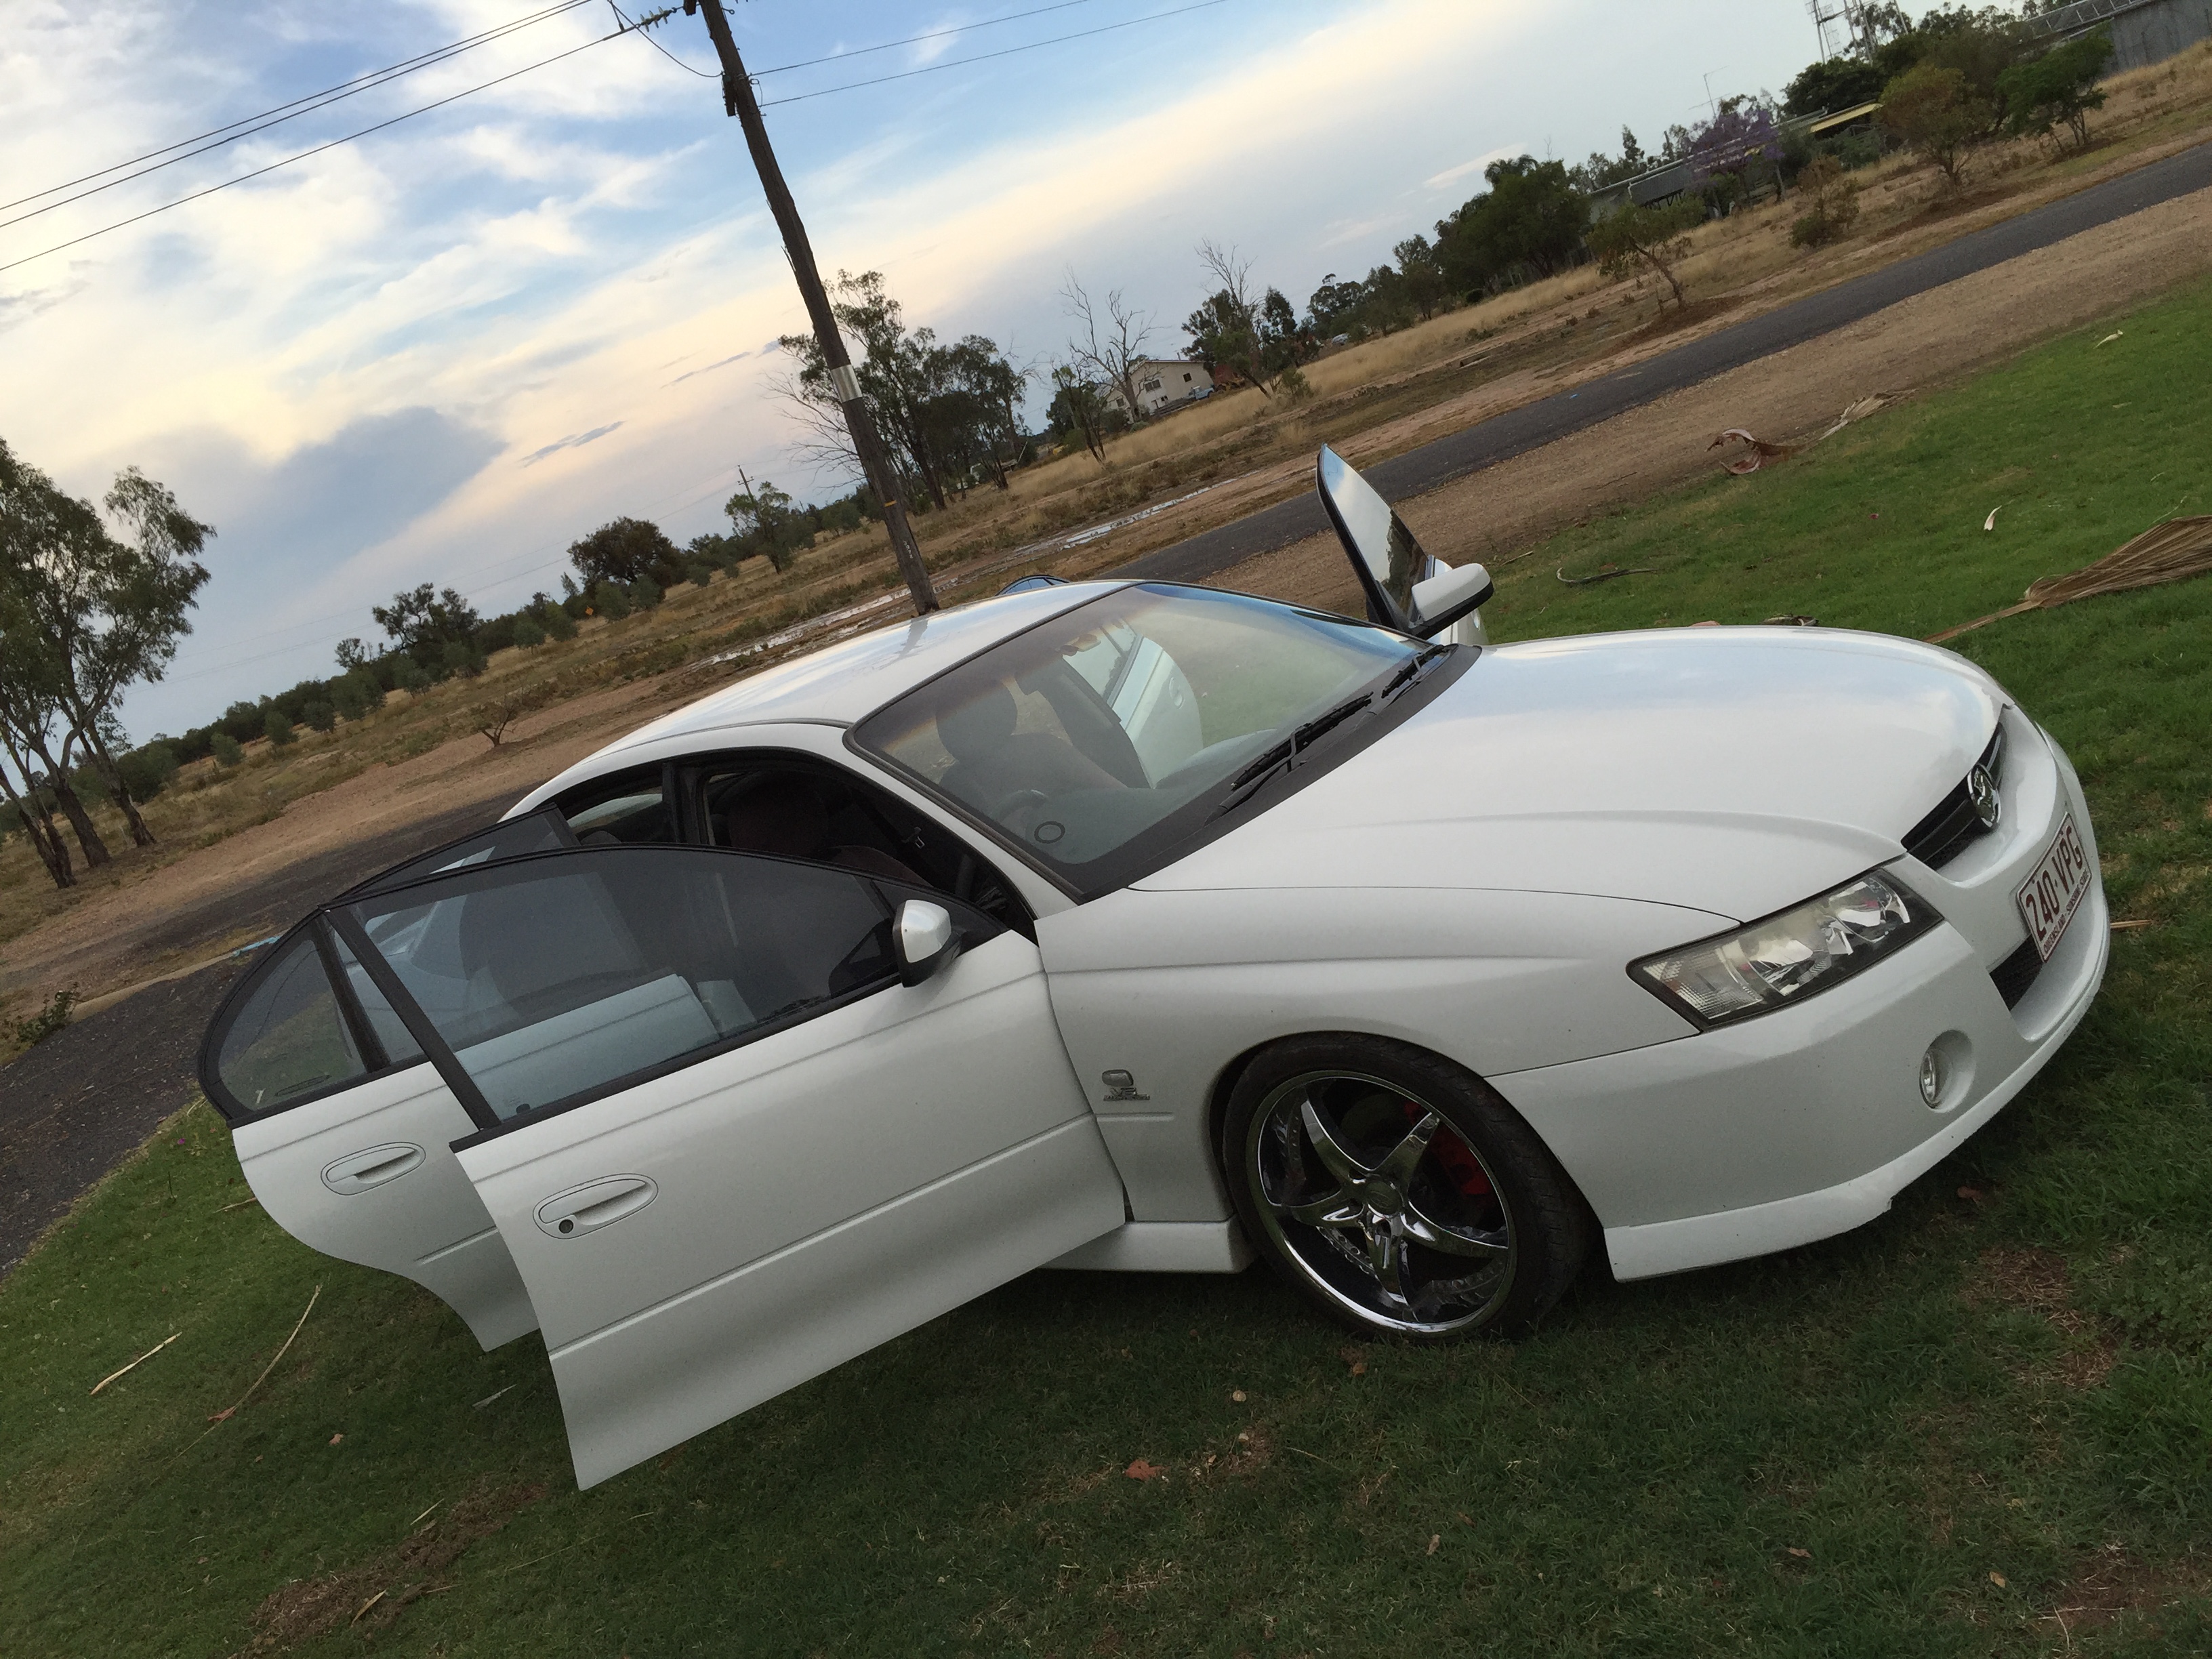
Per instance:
{"type": "Point", "coordinates": [2015, 976]}
{"type": "Point", "coordinates": [1943, 834]}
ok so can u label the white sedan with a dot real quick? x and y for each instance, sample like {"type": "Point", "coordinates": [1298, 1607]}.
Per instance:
{"type": "Point", "coordinates": [1141, 927]}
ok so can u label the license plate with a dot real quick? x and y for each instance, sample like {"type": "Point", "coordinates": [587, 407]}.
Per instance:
{"type": "Point", "coordinates": [2055, 889]}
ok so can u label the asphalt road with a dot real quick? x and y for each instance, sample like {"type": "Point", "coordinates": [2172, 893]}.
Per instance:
{"type": "Point", "coordinates": [76, 1106]}
{"type": "Point", "coordinates": [1503, 436]}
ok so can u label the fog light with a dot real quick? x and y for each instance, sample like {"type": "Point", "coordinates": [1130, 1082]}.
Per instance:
{"type": "Point", "coordinates": [1931, 1078]}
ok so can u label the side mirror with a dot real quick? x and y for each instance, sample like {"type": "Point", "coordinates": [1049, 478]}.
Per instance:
{"type": "Point", "coordinates": [1445, 597]}
{"type": "Point", "coordinates": [925, 941]}
{"type": "Point", "coordinates": [1392, 570]}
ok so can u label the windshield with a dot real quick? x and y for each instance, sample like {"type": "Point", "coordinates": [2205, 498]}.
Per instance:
{"type": "Point", "coordinates": [1106, 736]}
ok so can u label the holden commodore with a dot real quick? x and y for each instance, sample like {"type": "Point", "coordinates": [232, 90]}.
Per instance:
{"type": "Point", "coordinates": [1125, 925]}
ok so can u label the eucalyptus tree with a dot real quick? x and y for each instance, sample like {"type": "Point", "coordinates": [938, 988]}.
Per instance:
{"type": "Point", "coordinates": [92, 614]}
{"type": "Point", "coordinates": [945, 411]}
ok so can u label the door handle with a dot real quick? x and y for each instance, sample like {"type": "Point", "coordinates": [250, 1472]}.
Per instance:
{"type": "Point", "coordinates": [357, 1172]}
{"type": "Point", "coordinates": [594, 1205]}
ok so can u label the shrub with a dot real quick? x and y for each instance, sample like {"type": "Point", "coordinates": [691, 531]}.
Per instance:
{"type": "Point", "coordinates": [320, 716]}
{"type": "Point", "coordinates": [354, 695]}
{"type": "Point", "coordinates": [1934, 114]}
{"type": "Point", "coordinates": [557, 622]}
{"type": "Point", "coordinates": [226, 749]}
{"type": "Point", "coordinates": [276, 726]}
{"type": "Point", "coordinates": [408, 675]}
{"type": "Point", "coordinates": [47, 1021]}
{"type": "Point", "coordinates": [1652, 238]}
{"type": "Point", "coordinates": [644, 594]}
{"type": "Point", "coordinates": [610, 601]}
{"type": "Point", "coordinates": [701, 572]}
{"type": "Point", "coordinates": [147, 771]}
{"type": "Point", "coordinates": [1294, 386]}
{"type": "Point", "coordinates": [1853, 150]}
{"type": "Point", "coordinates": [461, 658]}
{"type": "Point", "coordinates": [1831, 203]}
{"type": "Point", "coordinates": [2060, 87]}
{"type": "Point", "coordinates": [528, 635]}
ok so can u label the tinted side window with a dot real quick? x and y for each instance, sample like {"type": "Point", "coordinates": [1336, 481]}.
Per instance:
{"type": "Point", "coordinates": [287, 1038]}
{"type": "Point", "coordinates": [556, 978]}
{"type": "Point", "coordinates": [541, 831]}
{"type": "Point", "coordinates": [629, 809]}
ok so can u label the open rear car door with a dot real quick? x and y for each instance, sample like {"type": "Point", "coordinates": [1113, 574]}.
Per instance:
{"type": "Point", "coordinates": [730, 1135]}
{"type": "Point", "coordinates": [344, 1130]}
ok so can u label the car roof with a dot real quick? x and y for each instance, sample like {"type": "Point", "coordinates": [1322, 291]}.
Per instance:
{"type": "Point", "coordinates": [844, 682]}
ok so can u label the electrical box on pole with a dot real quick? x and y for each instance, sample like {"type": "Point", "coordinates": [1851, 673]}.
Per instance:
{"type": "Point", "coordinates": [737, 100]}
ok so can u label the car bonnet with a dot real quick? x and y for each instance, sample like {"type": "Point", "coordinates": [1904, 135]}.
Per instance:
{"type": "Point", "coordinates": [1735, 771]}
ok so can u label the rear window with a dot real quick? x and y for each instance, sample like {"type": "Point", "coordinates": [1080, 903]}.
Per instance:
{"type": "Point", "coordinates": [288, 1039]}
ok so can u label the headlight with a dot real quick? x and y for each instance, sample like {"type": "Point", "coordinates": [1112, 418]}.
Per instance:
{"type": "Point", "coordinates": [1791, 957]}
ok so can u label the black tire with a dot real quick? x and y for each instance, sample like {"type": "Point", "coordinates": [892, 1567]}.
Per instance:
{"type": "Point", "coordinates": [1426, 1208]}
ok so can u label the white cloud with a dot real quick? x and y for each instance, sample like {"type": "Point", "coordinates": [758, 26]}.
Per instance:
{"type": "Point", "coordinates": [1474, 169]}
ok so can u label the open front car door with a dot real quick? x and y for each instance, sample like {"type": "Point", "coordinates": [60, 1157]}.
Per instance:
{"type": "Point", "coordinates": [725, 1145]}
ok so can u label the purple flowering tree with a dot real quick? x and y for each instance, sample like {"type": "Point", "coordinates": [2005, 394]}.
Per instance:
{"type": "Point", "coordinates": [1736, 154]}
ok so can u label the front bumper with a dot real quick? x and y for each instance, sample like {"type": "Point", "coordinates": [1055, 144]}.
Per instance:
{"type": "Point", "coordinates": [1804, 1123]}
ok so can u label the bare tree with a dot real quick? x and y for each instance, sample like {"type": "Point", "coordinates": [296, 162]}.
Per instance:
{"type": "Point", "coordinates": [1233, 273]}
{"type": "Point", "coordinates": [1111, 345]}
{"type": "Point", "coordinates": [824, 442]}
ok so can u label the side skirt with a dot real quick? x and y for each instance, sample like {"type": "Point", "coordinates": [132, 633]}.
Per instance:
{"type": "Point", "coordinates": [1163, 1247]}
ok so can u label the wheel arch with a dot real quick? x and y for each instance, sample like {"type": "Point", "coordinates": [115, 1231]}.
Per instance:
{"type": "Point", "coordinates": [1227, 1079]}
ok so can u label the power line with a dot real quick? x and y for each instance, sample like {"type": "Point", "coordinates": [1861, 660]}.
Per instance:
{"type": "Point", "coordinates": [986, 57]}
{"type": "Point", "coordinates": [916, 39]}
{"type": "Point", "coordinates": [304, 105]}
{"type": "Point", "coordinates": [303, 155]}
{"type": "Point", "coordinates": [627, 28]}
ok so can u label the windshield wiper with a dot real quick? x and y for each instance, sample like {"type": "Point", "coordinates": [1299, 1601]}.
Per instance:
{"type": "Point", "coordinates": [1413, 669]}
{"type": "Point", "coordinates": [1247, 782]}
{"type": "Point", "coordinates": [1253, 778]}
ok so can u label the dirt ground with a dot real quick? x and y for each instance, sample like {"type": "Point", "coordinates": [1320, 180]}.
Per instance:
{"type": "Point", "coordinates": [1931, 340]}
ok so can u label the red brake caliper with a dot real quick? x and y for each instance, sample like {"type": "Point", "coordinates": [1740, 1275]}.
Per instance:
{"type": "Point", "coordinates": [1451, 1151]}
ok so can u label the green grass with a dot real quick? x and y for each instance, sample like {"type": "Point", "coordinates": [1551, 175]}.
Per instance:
{"type": "Point", "coordinates": [2016, 1386]}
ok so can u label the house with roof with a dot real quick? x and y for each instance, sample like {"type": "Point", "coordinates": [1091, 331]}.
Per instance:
{"type": "Point", "coordinates": [1161, 382]}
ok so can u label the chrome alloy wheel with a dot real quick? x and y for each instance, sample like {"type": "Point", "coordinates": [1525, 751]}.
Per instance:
{"type": "Point", "coordinates": [1380, 1203]}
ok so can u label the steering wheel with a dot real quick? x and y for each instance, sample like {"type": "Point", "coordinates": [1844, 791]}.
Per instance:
{"type": "Point", "coordinates": [1017, 801]}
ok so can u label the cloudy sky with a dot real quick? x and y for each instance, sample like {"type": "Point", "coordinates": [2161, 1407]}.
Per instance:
{"type": "Point", "coordinates": [443, 352]}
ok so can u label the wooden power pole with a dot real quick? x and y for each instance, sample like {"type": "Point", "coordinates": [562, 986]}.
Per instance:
{"type": "Point", "coordinates": [737, 100]}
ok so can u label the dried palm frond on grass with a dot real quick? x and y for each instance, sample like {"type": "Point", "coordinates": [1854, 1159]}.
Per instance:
{"type": "Point", "coordinates": [2170, 552]}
